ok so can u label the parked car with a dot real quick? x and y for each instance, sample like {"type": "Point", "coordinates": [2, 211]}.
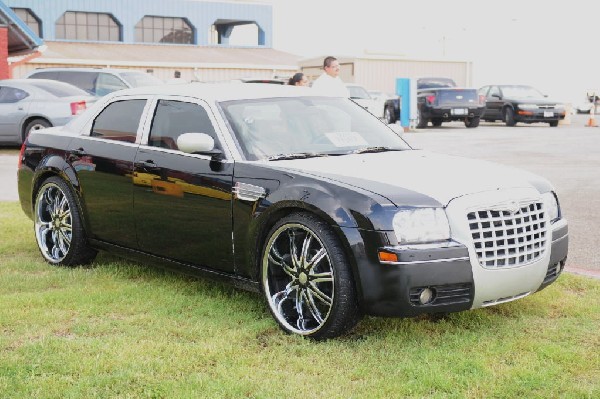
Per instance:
{"type": "Point", "coordinates": [520, 103]}
{"type": "Point", "coordinates": [591, 99]}
{"type": "Point", "coordinates": [27, 105]}
{"type": "Point", "coordinates": [438, 101]}
{"type": "Point", "coordinates": [380, 99]}
{"type": "Point", "coordinates": [97, 81]}
{"type": "Point", "coordinates": [360, 95]}
{"type": "Point", "coordinates": [308, 199]}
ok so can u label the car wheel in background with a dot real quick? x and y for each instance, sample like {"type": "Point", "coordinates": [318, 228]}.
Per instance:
{"type": "Point", "coordinates": [472, 122]}
{"type": "Point", "coordinates": [388, 115]}
{"type": "Point", "coordinates": [509, 116]}
{"type": "Point", "coordinates": [306, 278]}
{"type": "Point", "coordinates": [58, 227]}
{"type": "Point", "coordinates": [553, 123]}
{"type": "Point", "coordinates": [421, 122]}
{"type": "Point", "coordinates": [35, 124]}
{"type": "Point", "coordinates": [436, 122]}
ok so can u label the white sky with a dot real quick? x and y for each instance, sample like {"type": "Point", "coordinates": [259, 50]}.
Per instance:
{"type": "Point", "coordinates": [554, 46]}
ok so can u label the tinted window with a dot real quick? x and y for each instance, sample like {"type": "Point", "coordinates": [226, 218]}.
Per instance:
{"type": "Point", "coordinates": [83, 80]}
{"type": "Point", "coordinates": [119, 121]}
{"type": "Point", "coordinates": [11, 95]}
{"type": "Point", "coordinates": [173, 118]}
{"type": "Point", "coordinates": [44, 75]}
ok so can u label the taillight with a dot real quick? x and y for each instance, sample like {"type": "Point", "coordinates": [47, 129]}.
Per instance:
{"type": "Point", "coordinates": [77, 107]}
{"type": "Point", "coordinates": [481, 99]}
{"type": "Point", "coordinates": [20, 161]}
{"type": "Point", "coordinates": [430, 99]}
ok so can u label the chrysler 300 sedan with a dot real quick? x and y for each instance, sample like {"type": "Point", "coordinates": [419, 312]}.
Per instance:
{"type": "Point", "coordinates": [310, 200]}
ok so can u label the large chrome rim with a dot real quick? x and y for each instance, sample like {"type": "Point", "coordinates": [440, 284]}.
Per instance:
{"type": "Point", "coordinates": [53, 223]}
{"type": "Point", "coordinates": [298, 279]}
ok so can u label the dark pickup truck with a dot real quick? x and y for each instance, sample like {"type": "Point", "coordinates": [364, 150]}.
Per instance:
{"type": "Point", "coordinates": [439, 100]}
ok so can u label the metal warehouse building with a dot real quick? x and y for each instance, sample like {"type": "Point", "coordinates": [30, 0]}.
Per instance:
{"type": "Point", "coordinates": [175, 38]}
{"type": "Point", "coordinates": [191, 40]}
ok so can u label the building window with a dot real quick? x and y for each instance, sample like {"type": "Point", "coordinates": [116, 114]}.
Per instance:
{"type": "Point", "coordinates": [164, 30]}
{"type": "Point", "coordinates": [30, 19]}
{"type": "Point", "coordinates": [90, 26]}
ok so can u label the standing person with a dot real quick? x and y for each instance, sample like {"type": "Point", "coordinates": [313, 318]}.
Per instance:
{"type": "Point", "coordinates": [299, 79]}
{"type": "Point", "coordinates": [329, 82]}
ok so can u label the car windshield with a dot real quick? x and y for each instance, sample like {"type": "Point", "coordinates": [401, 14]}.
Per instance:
{"type": "Point", "coordinates": [358, 92]}
{"type": "Point", "coordinates": [140, 79]}
{"type": "Point", "coordinates": [58, 90]}
{"type": "Point", "coordinates": [300, 127]}
{"type": "Point", "coordinates": [521, 92]}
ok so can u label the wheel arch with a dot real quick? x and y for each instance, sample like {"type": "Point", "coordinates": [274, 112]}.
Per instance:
{"type": "Point", "coordinates": [29, 119]}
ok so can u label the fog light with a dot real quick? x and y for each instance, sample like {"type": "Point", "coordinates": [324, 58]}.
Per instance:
{"type": "Point", "coordinates": [426, 296]}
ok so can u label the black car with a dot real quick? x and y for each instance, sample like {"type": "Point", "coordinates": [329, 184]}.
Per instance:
{"type": "Point", "coordinates": [520, 103]}
{"type": "Point", "coordinates": [309, 199]}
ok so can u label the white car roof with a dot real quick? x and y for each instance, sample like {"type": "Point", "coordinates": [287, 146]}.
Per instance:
{"type": "Point", "coordinates": [222, 91]}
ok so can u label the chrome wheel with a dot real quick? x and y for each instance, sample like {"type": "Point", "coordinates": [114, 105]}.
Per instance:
{"type": "Point", "coordinates": [298, 278]}
{"type": "Point", "coordinates": [53, 223]}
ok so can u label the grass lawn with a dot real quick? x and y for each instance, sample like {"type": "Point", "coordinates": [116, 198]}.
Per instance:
{"type": "Point", "coordinates": [122, 330]}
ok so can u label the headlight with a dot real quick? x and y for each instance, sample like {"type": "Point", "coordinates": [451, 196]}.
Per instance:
{"type": "Point", "coordinates": [528, 106]}
{"type": "Point", "coordinates": [551, 206]}
{"type": "Point", "coordinates": [421, 225]}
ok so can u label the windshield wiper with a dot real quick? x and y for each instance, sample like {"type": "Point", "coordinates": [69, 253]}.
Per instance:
{"type": "Point", "coordinates": [296, 155]}
{"type": "Point", "coordinates": [375, 149]}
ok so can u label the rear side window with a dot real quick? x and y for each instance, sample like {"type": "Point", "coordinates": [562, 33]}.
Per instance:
{"type": "Point", "coordinates": [173, 118]}
{"type": "Point", "coordinates": [44, 75]}
{"type": "Point", "coordinates": [11, 95]}
{"type": "Point", "coordinates": [84, 80]}
{"type": "Point", "coordinates": [119, 121]}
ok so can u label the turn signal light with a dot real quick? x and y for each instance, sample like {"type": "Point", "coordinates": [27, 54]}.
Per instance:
{"type": "Point", "coordinates": [387, 257]}
{"type": "Point", "coordinates": [77, 107]}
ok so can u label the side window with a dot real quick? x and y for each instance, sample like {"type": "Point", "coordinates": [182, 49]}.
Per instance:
{"type": "Point", "coordinates": [11, 95]}
{"type": "Point", "coordinates": [494, 91]}
{"type": "Point", "coordinates": [119, 121]}
{"type": "Point", "coordinates": [173, 118]}
{"type": "Point", "coordinates": [83, 80]}
{"type": "Point", "coordinates": [483, 91]}
{"type": "Point", "coordinates": [108, 83]}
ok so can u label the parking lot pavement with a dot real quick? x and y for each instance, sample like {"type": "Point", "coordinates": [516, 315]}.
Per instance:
{"type": "Point", "coordinates": [567, 155]}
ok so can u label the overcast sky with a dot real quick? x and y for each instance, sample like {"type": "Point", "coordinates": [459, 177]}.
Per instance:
{"type": "Point", "coordinates": [552, 45]}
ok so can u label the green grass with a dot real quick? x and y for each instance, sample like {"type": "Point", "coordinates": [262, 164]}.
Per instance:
{"type": "Point", "coordinates": [122, 330]}
{"type": "Point", "coordinates": [9, 150]}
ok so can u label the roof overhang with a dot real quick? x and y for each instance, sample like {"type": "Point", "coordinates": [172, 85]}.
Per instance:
{"type": "Point", "coordinates": [21, 39]}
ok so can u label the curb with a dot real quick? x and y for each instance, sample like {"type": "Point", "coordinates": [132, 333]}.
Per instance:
{"type": "Point", "coordinates": [583, 272]}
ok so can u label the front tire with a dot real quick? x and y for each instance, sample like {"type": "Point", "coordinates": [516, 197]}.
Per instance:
{"type": "Point", "coordinates": [472, 122]}
{"type": "Point", "coordinates": [509, 117]}
{"type": "Point", "coordinates": [306, 278]}
{"type": "Point", "coordinates": [389, 115]}
{"type": "Point", "coordinates": [58, 228]}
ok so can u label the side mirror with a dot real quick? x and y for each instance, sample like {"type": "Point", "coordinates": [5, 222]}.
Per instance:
{"type": "Point", "coordinates": [198, 143]}
{"type": "Point", "coordinates": [498, 96]}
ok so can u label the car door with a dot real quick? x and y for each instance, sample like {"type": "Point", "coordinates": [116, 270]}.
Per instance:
{"type": "Point", "coordinates": [103, 160]}
{"type": "Point", "coordinates": [182, 202]}
{"type": "Point", "coordinates": [14, 106]}
{"type": "Point", "coordinates": [494, 103]}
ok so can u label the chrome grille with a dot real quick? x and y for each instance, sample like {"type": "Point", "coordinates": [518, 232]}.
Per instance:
{"type": "Point", "coordinates": [509, 238]}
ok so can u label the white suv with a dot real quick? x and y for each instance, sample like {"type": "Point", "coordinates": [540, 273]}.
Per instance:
{"type": "Point", "coordinates": [97, 81]}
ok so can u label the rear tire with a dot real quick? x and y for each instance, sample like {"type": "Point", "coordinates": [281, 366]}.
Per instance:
{"type": "Point", "coordinates": [553, 123]}
{"type": "Point", "coordinates": [437, 122]}
{"type": "Point", "coordinates": [58, 227]}
{"type": "Point", "coordinates": [421, 122]}
{"type": "Point", "coordinates": [389, 115]}
{"type": "Point", "coordinates": [306, 278]}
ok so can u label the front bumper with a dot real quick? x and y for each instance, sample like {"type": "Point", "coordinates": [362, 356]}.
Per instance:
{"type": "Point", "coordinates": [540, 115]}
{"type": "Point", "coordinates": [452, 272]}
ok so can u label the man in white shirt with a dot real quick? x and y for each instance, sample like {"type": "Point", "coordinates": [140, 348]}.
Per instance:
{"type": "Point", "coordinates": [329, 82]}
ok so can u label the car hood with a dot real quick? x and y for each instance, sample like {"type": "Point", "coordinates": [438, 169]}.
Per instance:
{"type": "Point", "coordinates": [441, 177]}
{"type": "Point", "coordinates": [532, 100]}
